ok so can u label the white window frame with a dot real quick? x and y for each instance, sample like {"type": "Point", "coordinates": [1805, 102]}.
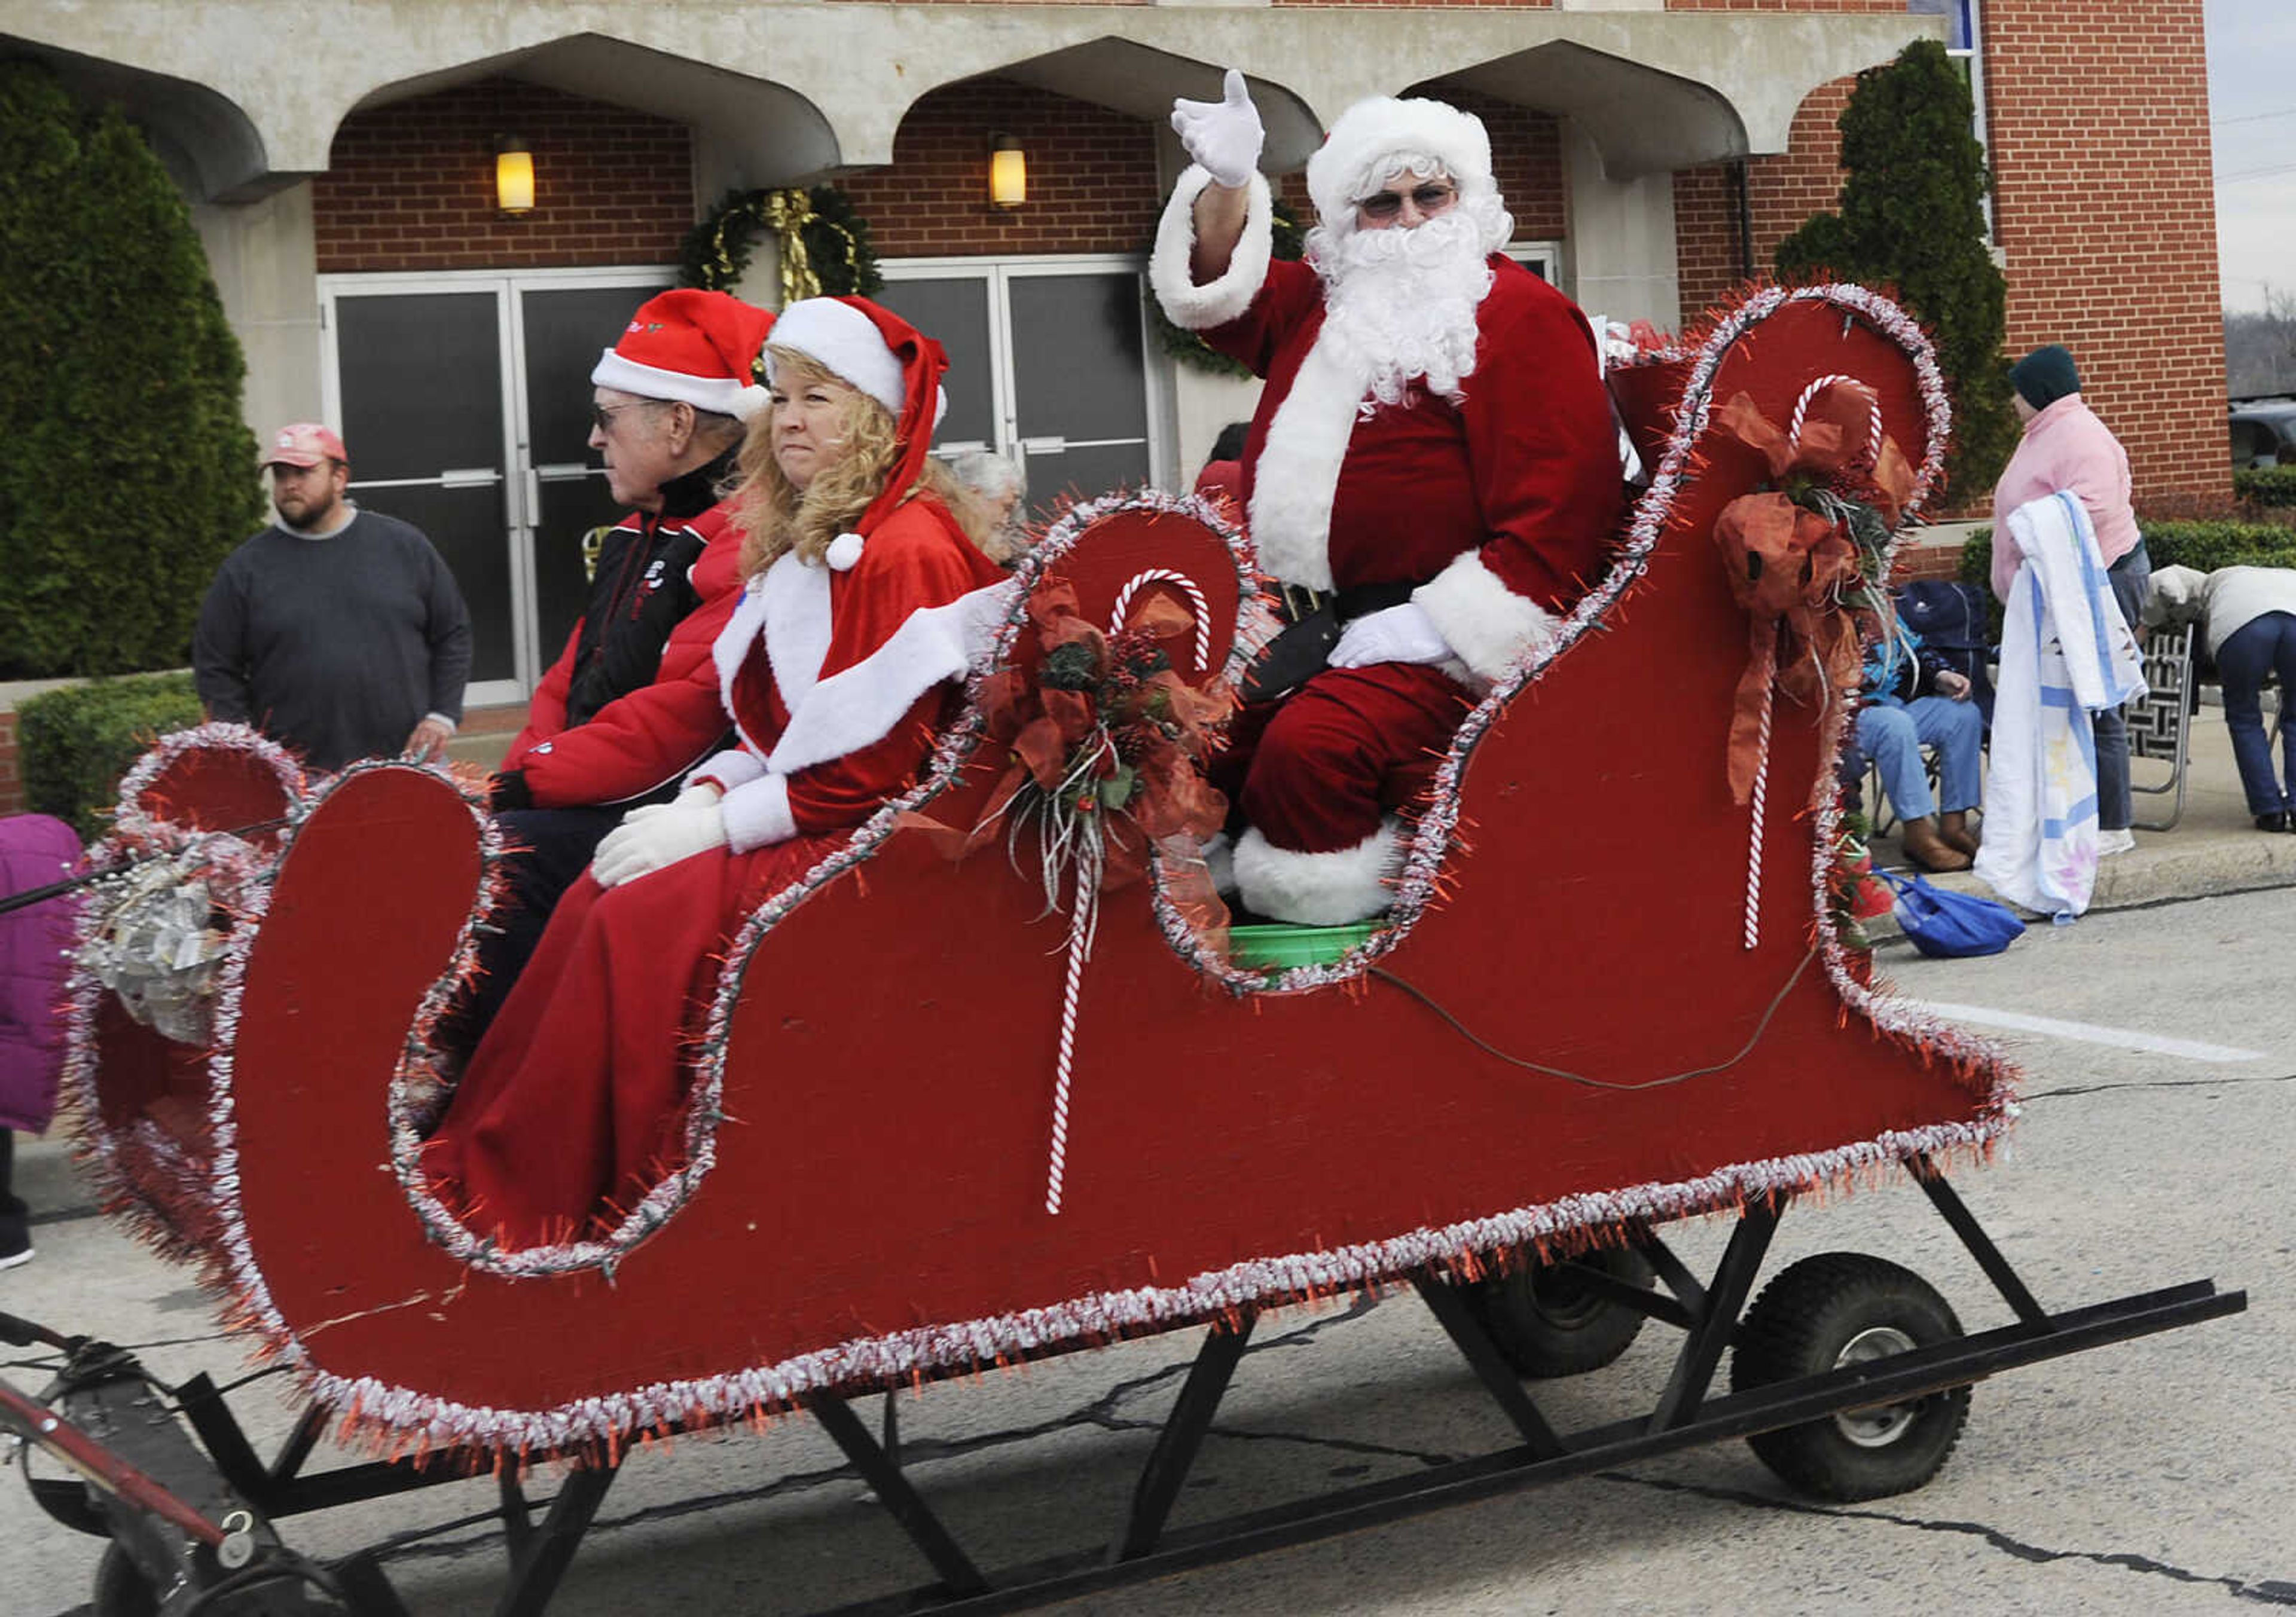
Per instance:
{"type": "Point", "coordinates": [522, 496]}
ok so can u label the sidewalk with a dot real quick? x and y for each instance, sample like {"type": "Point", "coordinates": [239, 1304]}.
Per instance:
{"type": "Point", "coordinates": [2214, 848]}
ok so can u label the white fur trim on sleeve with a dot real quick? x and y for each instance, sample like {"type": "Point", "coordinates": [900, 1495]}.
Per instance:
{"type": "Point", "coordinates": [1488, 624]}
{"type": "Point", "coordinates": [734, 767]}
{"type": "Point", "coordinates": [757, 813]}
{"type": "Point", "coordinates": [1194, 307]}
{"type": "Point", "coordinates": [860, 705]}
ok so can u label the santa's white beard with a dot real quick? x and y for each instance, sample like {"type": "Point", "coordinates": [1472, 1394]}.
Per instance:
{"type": "Point", "coordinates": [1400, 304]}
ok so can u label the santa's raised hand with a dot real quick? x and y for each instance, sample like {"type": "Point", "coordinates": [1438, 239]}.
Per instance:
{"type": "Point", "coordinates": [1222, 137]}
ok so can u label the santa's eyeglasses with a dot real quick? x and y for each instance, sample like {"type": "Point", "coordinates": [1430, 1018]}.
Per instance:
{"type": "Point", "coordinates": [1388, 204]}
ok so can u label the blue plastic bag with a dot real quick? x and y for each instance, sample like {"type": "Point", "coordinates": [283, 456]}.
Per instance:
{"type": "Point", "coordinates": [1949, 925]}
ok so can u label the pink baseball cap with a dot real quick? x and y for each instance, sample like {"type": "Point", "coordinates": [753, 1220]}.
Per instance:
{"type": "Point", "coordinates": [305, 443]}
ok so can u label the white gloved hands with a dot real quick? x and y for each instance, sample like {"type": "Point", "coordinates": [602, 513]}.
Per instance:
{"type": "Point", "coordinates": [657, 835]}
{"type": "Point", "coordinates": [1223, 137]}
{"type": "Point", "coordinates": [1394, 634]}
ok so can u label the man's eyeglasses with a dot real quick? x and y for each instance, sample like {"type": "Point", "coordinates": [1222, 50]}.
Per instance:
{"type": "Point", "coordinates": [602, 416]}
{"type": "Point", "coordinates": [1387, 204]}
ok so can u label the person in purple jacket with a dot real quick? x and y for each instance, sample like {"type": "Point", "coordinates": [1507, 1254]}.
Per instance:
{"type": "Point", "coordinates": [34, 850]}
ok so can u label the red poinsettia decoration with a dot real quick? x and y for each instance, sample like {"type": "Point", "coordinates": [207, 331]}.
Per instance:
{"type": "Point", "coordinates": [1107, 742]}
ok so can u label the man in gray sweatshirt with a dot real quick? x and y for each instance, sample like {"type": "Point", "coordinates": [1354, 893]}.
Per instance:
{"type": "Point", "coordinates": [337, 631]}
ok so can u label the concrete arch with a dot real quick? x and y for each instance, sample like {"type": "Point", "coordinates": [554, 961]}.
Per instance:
{"type": "Point", "coordinates": [1640, 120]}
{"type": "Point", "coordinates": [1141, 82]}
{"type": "Point", "coordinates": [210, 146]}
{"type": "Point", "coordinates": [756, 132]}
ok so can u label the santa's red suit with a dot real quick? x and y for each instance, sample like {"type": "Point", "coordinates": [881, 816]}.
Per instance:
{"type": "Point", "coordinates": [835, 678]}
{"type": "Point", "coordinates": [1493, 512]}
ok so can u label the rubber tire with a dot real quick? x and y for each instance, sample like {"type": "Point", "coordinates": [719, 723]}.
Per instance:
{"type": "Point", "coordinates": [1548, 1326]}
{"type": "Point", "coordinates": [1799, 1327]}
{"type": "Point", "coordinates": [122, 1589]}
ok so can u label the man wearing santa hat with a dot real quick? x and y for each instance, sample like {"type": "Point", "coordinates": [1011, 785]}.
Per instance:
{"type": "Point", "coordinates": [1434, 451]}
{"type": "Point", "coordinates": [668, 404]}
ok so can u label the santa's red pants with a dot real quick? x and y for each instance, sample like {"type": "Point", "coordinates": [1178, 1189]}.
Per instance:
{"type": "Point", "coordinates": [573, 1106]}
{"type": "Point", "coordinates": [1318, 771]}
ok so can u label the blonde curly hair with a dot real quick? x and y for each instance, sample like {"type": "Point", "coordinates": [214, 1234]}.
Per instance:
{"type": "Point", "coordinates": [776, 518]}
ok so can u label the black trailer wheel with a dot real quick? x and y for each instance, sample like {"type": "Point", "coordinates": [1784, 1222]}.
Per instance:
{"type": "Point", "coordinates": [1549, 1324]}
{"type": "Point", "coordinates": [122, 1589]}
{"type": "Point", "coordinates": [1837, 1309]}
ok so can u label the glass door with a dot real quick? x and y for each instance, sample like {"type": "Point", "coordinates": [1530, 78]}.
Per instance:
{"type": "Point", "coordinates": [560, 331]}
{"type": "Point", "coordinates": [418, 392]}
{"type": "Point", "coordinates": [464, 398]}
{"type": "Point", "coordinates": [1047, 364]}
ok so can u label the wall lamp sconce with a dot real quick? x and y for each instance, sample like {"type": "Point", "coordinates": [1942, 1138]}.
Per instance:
{"type": "Point", "coordinates": [1008, 172]}
{"type": "Point", "coordinates": [513, 175]}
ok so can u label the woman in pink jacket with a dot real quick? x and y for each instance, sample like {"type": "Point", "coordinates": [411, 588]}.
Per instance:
{"type": "Point", "coordinates": [2067, 449]}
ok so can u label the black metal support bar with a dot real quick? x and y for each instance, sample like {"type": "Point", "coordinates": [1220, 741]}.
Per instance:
{"type": "Point", "coordinates": [1733, 1278]}
{"type": "Point", "coordinates": [517, 1517]}
{"type": "Point", "coordinates": [535, 1574]}
{"type": "Point", "coordinates": [288, 1462]}
{"type": "Point", "coordinates": [1673, 1271]}
{"type": "Point", "coordinates": [893, 1490]}
{"type": "Point", "coordinates": [227, 1443]}
{"type": "Point", "coordinates": [1490, 1367]}
{"type": "Point", "coordinates": [1652, 1305]}
{"type": "Point", "coordinates": [1896, 1379]}
{"type": "Point", "coordinates": [1183, 1434]}
{"type": "Point", "coordinates": [367, 1588]}
{"type": "Point", "coordinates": [1955, 1211]}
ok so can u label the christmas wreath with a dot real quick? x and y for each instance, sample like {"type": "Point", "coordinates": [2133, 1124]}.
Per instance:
{"type": "Point", "coordinates": [1184, 346]}
{"type": "Point", "coordinates": [824, 243]}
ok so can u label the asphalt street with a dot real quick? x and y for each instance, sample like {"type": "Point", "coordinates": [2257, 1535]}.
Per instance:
{"type": "Point", "coordinates": [2153, 1477]}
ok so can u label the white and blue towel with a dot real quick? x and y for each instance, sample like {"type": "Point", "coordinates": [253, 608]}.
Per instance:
{"type": "Point", "coordinates": [2065, 653]}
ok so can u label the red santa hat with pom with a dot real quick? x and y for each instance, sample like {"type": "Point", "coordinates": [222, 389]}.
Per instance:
{"type": "Point", "coordinates": [693, 347]}
{"type": "Point", "coordinates": [876, 352]}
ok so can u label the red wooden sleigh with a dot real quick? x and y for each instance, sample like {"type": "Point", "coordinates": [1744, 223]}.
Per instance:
{"type": "Point", "coordinates": [1609, 996]}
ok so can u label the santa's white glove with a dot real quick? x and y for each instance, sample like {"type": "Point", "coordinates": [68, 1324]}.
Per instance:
{"type": "Point", "coordinates": [1224, 135]}
{"type": "Point", "coordinates": [1394, 634]}
{"type": "Point", "coordinates": [660, 834]}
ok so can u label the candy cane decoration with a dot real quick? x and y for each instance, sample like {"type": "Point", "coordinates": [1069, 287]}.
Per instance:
{"type": "Point", "coordinates": [1078, 949]}
{"type": "Point", "coordinates": [1754, 835]}
{"type": "Point", "coordinates": [1195, 600]}
{"type": "Point", "coordinates": [1809, 393]}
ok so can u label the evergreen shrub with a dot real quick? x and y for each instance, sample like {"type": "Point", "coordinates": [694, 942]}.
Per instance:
{"type": "Point", "coordinates": [1911, 222]}
{"type": "Point", "coordinates": [2204, 546]}
{"type": "Point", "coordinates": [2270, 485]}
{"type": "Point", "coordinates": [126, 472]}
{"type": "Point", "coordinates": [73, 745]}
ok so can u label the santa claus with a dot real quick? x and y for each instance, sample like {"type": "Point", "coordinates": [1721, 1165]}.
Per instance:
{"type": "Point", "coordinates": [1434, 456]}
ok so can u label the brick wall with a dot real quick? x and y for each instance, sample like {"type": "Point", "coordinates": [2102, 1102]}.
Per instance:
{"type": "Point", "coordinates": [2097, 129]}
{"type": "Point", "coordinates": [2097, 116]}
{"type": "Point", "coordinates": [1781, 192]}
{"type": "Point", "coordinates": [411, 186]}
{"type": "Point", "coordinates": [1092, 177]}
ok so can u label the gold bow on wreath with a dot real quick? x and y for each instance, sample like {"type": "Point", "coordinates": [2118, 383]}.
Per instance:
{"type": "Point", "coordinates": [787, 212]}
{"type": "Point", "coordinates": [1798, 554]}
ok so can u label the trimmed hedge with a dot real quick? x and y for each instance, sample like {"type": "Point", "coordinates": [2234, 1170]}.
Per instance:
{"type": "Point", "coordinates": [2204, 546]}
{"type": "Point", "coordinates": [73, 745]}
{"type": "Point", "coordinates": [126, 472]}
{"type": "Point", "coordinates": [2273, 486]}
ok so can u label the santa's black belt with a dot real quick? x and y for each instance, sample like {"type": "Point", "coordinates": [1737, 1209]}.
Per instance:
{"type": "Point", "coordinates": [1303, 650]}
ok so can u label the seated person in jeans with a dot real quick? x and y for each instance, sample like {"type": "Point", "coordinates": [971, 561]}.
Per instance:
{"type": "Point", "coordinates": [1900, 716]}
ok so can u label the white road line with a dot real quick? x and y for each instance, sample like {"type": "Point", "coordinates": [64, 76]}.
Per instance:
{"type": "Point", "coordinates": [2089, 1033]}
